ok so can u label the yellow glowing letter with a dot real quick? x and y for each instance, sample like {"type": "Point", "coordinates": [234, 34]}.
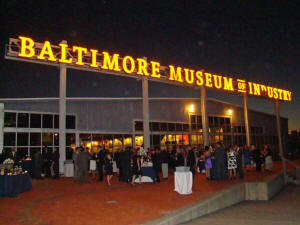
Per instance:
{"type": "Point", "coordinates": [280, 93]}
{"type": "Point", "coordinates": [270, 92]}
{"type": "Point", "coordinates": [199, 77]}
{"type": "Point", "coordinates": [124, 64]}
{"type": "Point", "coordinates": [256, 88]}
{"type": "Point", "coordinates": [189, 79]}
{"type": "Point", "coordinates": [80, 51]}
{"type": "Point", "coordinates": [250, 88]}
{"type": "Point", "coordinates": [47, 50]}
{"type": "Point", "coordinates": [289, 95]}
{"type": "Point", "coordinates": [27, 49]}
{"type": "Point", "coordinates": [228, 85]}
{"type": "Point", "coordinates": [142, 67]}
{"type": "Point", "coordinates": [175, 76]}
{"type": "Point", "coordinates": [109, 64]}
{"type": "Point", "coordinates": [63, 54]}
{"type": "Point", "coordinates": [275, 90]}
{"type": "Point", "coordinates": [93, 58]}
{"type": "Point", "coordinates": [217, 81]}
{"type": "Point", "coordinates": [155, 69]}
{"type": "Point", "coordinates": [208, 82]}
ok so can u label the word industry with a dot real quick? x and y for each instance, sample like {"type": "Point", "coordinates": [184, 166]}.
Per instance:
{"type": "Point", "coordinates": [91, 59]}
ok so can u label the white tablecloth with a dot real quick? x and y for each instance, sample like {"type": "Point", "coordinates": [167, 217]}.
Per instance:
{"type": "Point", "coordinates": [183, 182]}
{"type": "Point", "coordinates": [145, 179]}
{"type": "Point", "coordinates": [69, 170]}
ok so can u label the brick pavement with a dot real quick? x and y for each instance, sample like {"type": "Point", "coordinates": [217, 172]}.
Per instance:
{"type": "Point", "coordinates": [62, 202]}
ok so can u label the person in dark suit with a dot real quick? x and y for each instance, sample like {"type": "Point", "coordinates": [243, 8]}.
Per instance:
{"type": "Point", "coordinates": [83, 162]}
{"type": "Point", "coordinates": [125, 165]}
{"type": "Point", "coordinates": [220, 159]}
{"type": "Point", "coordinates": [239, 160]}
{"type": "Point", "coordinates": [55, 162]}
{"type": "Point", "coordinates": [37, 165]}
{"type": "Point", "coordinates": [100, 160]}
{"type": "Point", "coordinates": [191, 160]}
{"type": "Point", "coordinates": [179, 157]}
{"type": "Point", "coordinates": [156, 163]}
{"type": "Point", "coordinates": [164, 156]}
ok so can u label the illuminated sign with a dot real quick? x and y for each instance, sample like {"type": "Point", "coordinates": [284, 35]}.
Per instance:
{"type": "Point", "coordinates": [83, 58]}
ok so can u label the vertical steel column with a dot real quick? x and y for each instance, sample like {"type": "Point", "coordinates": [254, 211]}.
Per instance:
{"type": "Point", "coordinates": [279, 138]}
{"type": "Point", "coordinates": [62, 114]}
{"type": "Point", "coordinates": [246, 119]}
{"type": "Point", "coordinates": [1, 126]}
{"type": "Point", "coordinates": [146, 114]}
{"type": "Point", "coordinates": [204, 117]}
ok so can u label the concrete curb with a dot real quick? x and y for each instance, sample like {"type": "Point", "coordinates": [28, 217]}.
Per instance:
{"type": "Point", "coordinates": [263, 190]}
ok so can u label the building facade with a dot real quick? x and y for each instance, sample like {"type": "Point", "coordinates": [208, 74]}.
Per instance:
{"type": "Point", "coordinates": [116, 123]}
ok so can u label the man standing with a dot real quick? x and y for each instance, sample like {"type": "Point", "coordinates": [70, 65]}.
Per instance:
{"type": "Point", "coordinates": [100, 159]}
{"type": "Point", "coordinates": [76, 165]}
{"type": "Point", "coordinates": [239, 160]}
{"type": "Point", "coordinates": [164, 155]}
{"type": "Point", "coordinates": [191, 159]}
{"type": "Point", "coordinates": [220, 157]}
{"type": "Point", "coordinates": [55, 162]}
{"type": "Point", "coordinates": [37, 165]}
{"type": "Point", "coordinates": [83, 162]}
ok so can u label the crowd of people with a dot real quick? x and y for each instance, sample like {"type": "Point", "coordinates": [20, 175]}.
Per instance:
{"type": "Point", "coordinates": [216, 161]}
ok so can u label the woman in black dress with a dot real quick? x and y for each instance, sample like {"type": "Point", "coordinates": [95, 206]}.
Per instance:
{"type": "Point", "coordinates": [136, 168]}
{"type": "Point", "coordinates": [108, 168]}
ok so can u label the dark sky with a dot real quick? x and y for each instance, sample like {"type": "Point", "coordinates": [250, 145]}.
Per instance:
{"type": "Point", "coordinates": [255, 40]}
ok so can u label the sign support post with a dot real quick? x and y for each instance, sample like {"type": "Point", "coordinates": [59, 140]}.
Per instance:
{"type": "Point", "coordinates": [1, 126]}
{"type": "Point", "coordinates": [279, 139]}
{"type": "Point", "coordinates": [62, 114]}
{"type": "Point", "coordinates": [204, 117]}
{"type": "Point", "coordinates": [246, 119]}
{"type": "Point", "coordinates": [146, 114]}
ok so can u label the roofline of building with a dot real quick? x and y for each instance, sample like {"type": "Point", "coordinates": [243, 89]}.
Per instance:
{"type": "Point", "coordinates": [128, 99]}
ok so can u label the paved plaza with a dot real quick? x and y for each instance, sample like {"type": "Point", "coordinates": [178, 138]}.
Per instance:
{"type": "Point", "coordinates": [283, 209]}
{"type": "Point", "coordinates": [63, 202]}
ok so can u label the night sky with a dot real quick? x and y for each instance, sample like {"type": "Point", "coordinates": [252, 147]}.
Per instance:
{"type": "Point", "coordinates": [255, 40]}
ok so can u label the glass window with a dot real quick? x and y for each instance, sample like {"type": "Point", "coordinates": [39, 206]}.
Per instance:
{"type": "Point", "coordinates": [163, 127]}
{"type": "Point", "coordinates": [163, 139]}
{"type": "Point", "coordinates": [56, 121]}
{"type": "Point", "coordinates": [9, 139]}
{"type": "Point", "coordinates": [22, 152]}
{"type": "Point", "coordinates": [154, 126]}
{"type": "Point", "coordinates": [23, 119]}
{"type": "Point", "coordinates": [22, 139]}
{"type": "Point", "coordinates": [186, 127]}
{"type": "Point", "coordinates": [70, 122]}
{"type": "Point", "coordinates": [127, 141]}
{"type": "Point", "coordinates": [210, 120]}
{"type": "Point", "coordinates": [35, 120]}
{"type": "Point", "coordinates": [227, 121]}
{"type": "Point", "coordinates": [97, 141]}
{"type": "Point", "coordinates": [118, 142]}
{"type": "Point", "coordinates": [200, 139]}
{"type": "Point", "coordinates": [56, 139]}
{"type": "Point", "coordinates": [216, 120]}
{"type": "Point", "coordinates": [33, 150]}
{"type": "Point", "coordinates": [194, 126]}
{"type": "Point", "coordinates": [194, 140]}
{"type": "Point", "coordinates": [171, 126]}
{"type": "Point", "coordinates": [70, 139]}
{"type": "Point", "coordinates": [85, 140]}
{"type": "Point", "coordinates": [178, 127]}
{"type": "Point", "coordinates": [47, 121]}
{"type": "Point", "coordinates": [139, 141]}
{"type": "Point", "coordinates": [185, 139]}
{"type": "Point", "coordinates": [193, 119]}
{"type": "Point", "coordinates": [35, 139]}
{"type": "Point", "coordinates": [138, 125]}
{"type": "Point", "coordinates": [9, 119]}
{"type": "Point", "coordinates": [47, 139]}
{"type": "Point", "coordinates": [69, 152]}
{"type": "Point", "coordinates": [222, 120]}
{"type": "Point", "coordinates": [108, 142]}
